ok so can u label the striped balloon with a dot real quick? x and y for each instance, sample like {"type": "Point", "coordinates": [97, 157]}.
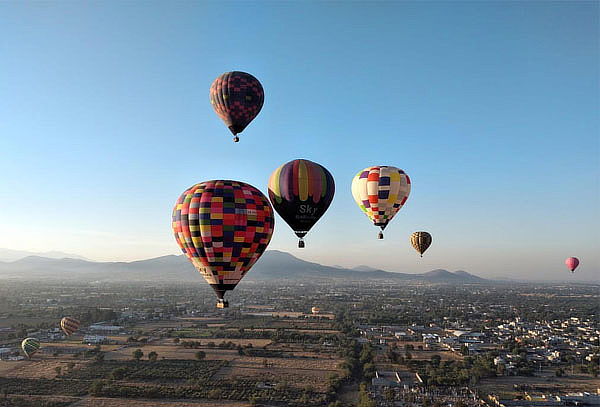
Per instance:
{"type": "Point", "coordinates": [30, 346]}
{"type": "Point", "coordinates": [420, 241]}
{"type": "Point", "coordinates": [69, 325]}
{"type": "Point", "coordinates": [223, 227]}
{"type": "Point", "coordinates": [380, 192]}
{"type": "Point", "coordinates": [301, 191]}
{"type": "Point", "coordinates": [237, 97]}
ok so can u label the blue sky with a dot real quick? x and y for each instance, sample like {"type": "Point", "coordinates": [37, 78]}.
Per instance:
{"type": "Point", "coordinates": [490, 107]}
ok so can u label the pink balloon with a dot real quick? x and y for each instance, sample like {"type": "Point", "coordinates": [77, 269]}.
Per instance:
{"type": "Point", "coordinates": [572, 263]}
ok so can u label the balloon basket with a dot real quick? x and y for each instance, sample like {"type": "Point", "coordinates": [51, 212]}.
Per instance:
{"type": "Point", "coordinates": [222, 304]}
{"type": "Point", "coordinates": [301, 244]}
{"type": "Point", "coordinates": [380, 235]}
{"type": "Point", "coordinates": [236, 139]}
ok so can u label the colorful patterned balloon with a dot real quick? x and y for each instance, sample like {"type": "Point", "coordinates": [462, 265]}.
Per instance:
{"type": "Point", "coordinates": [69, 325]}
{"type": "Point", "coordinates": [380, 192]}
{"type": "Point", "coordinates": [237, 98]}
{"type": "Point", "coordinates": [223, 227]}
{"type": "Point", "coordinates": [30, 346]}
{"type": "Point", "coordinates": [301, 191]}
{"type": "Point", "coordinates": [572, 263]}
{"type": "Point", "coordinates": [420, 241]}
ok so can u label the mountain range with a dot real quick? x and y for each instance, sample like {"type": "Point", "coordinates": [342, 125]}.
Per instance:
{"type": "Point", "coordinates": [13, 255]}
{"type": "Point", "coordinates": [273, 265]}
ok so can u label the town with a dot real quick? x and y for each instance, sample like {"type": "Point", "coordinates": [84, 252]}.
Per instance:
{"type": "Point", "coordinates": [308, 344]}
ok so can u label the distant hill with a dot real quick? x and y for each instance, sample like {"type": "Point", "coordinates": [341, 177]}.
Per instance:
{"type": "Point", "coordinates": [362, 267]}
{"type": "Point", "coordinates": [12, 255]}
{"type": "Point", "coordinates": [273, 265]}
{"type": "Point", "coordinates": [440, 275]}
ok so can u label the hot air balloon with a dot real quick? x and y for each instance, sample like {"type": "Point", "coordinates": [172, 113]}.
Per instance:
{"type": "Point", "coordinates": [380, 192]}
{"type": "Point", "coordinates": [301, 191]}
{"type": "Point", "coordinates": [237, 98]}
{"type": "Point", "coordinates": [69, 325]}
{"type": "Point", "coordinates": [223, 227]}
{"type": "Point", "coordinates": [572, 263]}
{"type": "Point", "coordinates": [420, 241]}
{"type": "Point", "coordinates": [30, 346]}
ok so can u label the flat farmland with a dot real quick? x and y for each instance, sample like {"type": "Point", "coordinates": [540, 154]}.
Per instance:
{"type": "Point", "coordinates": [547, 382]}
{"type": "Point", "coordinates": [12, 321]}
{"type": "Point", "coordinates": [427, 354]}
{"type": "Point", "coordinates": [281, 371]}
{"type": "Point", "coordinates": [171, 324]}
{"type": "Point", "coordinates": [116, 402]}
{"type": "Point", "coordinates": [171, 352]}
{"type": "Point", "coordinates": [72, 345]}
{"type": "Point", "coordinates": [37, 368]}
{"type": "Point", "coordinates": [297, 372]}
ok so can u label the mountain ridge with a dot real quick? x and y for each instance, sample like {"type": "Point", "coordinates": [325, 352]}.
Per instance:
{"type": "Point", "coordinates": [9, 255]}
{"type": "Point", "coordinates": [273, 265]}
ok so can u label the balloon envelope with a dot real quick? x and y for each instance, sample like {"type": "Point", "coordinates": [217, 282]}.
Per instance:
{"type": "Point", "coordinates": [420, 241]}
{"type": "Point", "coordinates": [223, 227]}
{"type": "Point", "coordinates": [572, 263]}
{"type": "Point", "coordinates": [237, 97]}
{"type": "Point", "coordinates": [380, 192]}
{"type": "Point", "coordinates": [301, 191]}
{"type": "Point", "coordinates": [69, 325]}
{"type": "Point", "coordinates": [30, 346]}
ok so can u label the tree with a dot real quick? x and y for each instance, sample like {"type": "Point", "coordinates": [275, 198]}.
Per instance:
{"type": "Point", "coordinates": [363, 397]}
{"type": "Point", "coordinates": [57, 369]}
{"type": "Point", "coordinates": [389, 394]}
{"type": "Point", "coordinates": [96, 388]}
{"type": "Point", "coordinates": [176, 340]}
{"type": "Point", "coordinates": [137, 355]}
{"type": "Point", "coordinates": [435, 360]}
{"type": "Point", "coordinates": [100, 356]}
{"type": "Point", "coordinates": [369, 370]}
{"type": "Point", "coordinates": [200, 355]}
{"type": "Point", "coordinates": [152, 356]}
{"type": "Point", "coordinates": [118, 373]}
{"type": "Point", "coordinates": [214, 394]}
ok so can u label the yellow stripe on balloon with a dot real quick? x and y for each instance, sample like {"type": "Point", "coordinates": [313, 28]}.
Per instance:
{"type": "Point", "coordinates": [274, 182]}
{"type": "Point", "coordinates": [303, 180]}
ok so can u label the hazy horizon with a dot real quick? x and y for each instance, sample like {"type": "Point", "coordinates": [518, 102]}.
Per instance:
{"type": "Point", "coordinates": [490, 107]}
{"type": "Point", "coordinates": [566, 278]}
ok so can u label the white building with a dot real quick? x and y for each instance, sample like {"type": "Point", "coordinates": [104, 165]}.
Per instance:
{"type": "Point", "coordinates": [94, 339]}
{"type": "Point", "coordinates": [106, 328]}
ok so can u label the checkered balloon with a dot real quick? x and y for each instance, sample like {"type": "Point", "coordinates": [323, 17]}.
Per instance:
{"type": "Point", "coordinates": [380, 192]}
{"type": "Point", "coordinates": [237, 98]}
{"type": "Point", "coordinates": [223, 227]}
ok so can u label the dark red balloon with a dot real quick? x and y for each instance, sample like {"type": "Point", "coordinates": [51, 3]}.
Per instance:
{"type": "Point", "coordinates": [237, 98]}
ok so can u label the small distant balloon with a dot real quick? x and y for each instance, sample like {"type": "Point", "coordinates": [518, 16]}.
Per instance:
{"type": "Point", "coordinates": [69, 325]}
{"type": "Point", "coordinates": [420, 241]}
{"type": "Point", "coordinates": [380, 192]}
{"type": "Point", "coordinates": [30, 346]}
{"type": "Point", "coordinates": [237, 98]}
{"type": "Point", "coordinates": [572, 263]}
